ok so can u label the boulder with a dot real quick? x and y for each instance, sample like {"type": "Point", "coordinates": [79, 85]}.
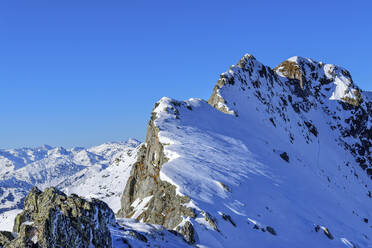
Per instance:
{"type": "Point", "coordinates": [53, 219]}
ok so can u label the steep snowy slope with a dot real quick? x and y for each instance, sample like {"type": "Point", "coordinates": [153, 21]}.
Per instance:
{"type": "Point", "coordinates": [277, 158]}
{"type": "Point", "coordinates": [99, 172]}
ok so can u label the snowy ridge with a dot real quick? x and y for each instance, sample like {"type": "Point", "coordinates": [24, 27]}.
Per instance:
{"type": "Point", "coordinates": [276, 158]}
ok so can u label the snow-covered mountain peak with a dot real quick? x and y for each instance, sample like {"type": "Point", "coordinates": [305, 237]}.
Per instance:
{"type": "Point", "coordinates": [269, 160]}
{"type": "Point", "coordinates": [57, 151]}
{"type": "Point", "coordinates": [46, 147]}
{"type": "Point", "coordinates": [298, 78]}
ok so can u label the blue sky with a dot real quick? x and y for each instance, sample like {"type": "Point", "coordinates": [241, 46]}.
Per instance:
{"type": "Point", "coordinates": [80, 73]}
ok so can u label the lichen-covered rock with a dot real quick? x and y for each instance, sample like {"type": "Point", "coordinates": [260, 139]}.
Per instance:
{"type": "Point", "coordinates": [27, 237]}
{"type": "Point", "coordinates": [188, 231]}
{"type": "Point", "coordinates": [53, 219]}
{"type": "Point", "coordinates": [5, 238]}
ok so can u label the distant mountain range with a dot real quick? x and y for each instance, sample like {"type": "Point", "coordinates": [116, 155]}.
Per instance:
{"type": "Point", "coordinates": [100, 171]}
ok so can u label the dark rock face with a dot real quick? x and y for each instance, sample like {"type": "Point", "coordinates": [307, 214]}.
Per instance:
{"type": "Point", "coordinates": [359, 128]}
{"type": "Point", "coordinates": [165, 207]}
{"type": "Point", "coordinates": [284, 156]}
{"type": "Point", "coordinates": [5, 238]}
{"type": "Point", "coordinates": [228, 218]}
{"type": "Point", "coordinates": [53, 219]}
{"type": "Point", "coordinates": [271, 230]}
{"type": "Point", "coordinates": [138, 235]}
{"type": "Point", "coordinates": [189, 232]}
{"type": "Point", "coordinates": [325, 231]}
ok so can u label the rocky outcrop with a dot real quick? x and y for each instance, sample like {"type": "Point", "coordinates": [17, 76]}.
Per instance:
{"type": "Point", "coordinates": [187, 229]}
{"type": "Point", "coordinates": [5, 238]}
{"type": "Point", "coordinates": [291, 70]}
{"type": "Point", "coordinates": [53, 219]}
{"type": "Point", "coordinates": [247, 63]}
{"type": "Point", "coordinates": [216, 100]}
{"type": "Point", "coordinates": [165, 206]}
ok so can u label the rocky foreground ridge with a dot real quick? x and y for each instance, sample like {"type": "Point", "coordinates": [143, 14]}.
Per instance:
{"type": "Point", "coordinates": [53, 219]}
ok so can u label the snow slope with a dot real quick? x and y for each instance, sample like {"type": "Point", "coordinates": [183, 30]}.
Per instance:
{"type": "Point", "coordinates": [100, 172]}
{"type": "Point", "coordinates": [131, 233]}
{"type": "Point", "coordinates": [277, 158]}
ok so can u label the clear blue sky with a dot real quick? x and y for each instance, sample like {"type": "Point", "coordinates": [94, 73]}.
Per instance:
{"type": "Point", "coordinates": [83, 72]}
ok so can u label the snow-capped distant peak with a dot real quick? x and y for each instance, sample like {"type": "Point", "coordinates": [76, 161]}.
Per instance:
{"type": "Point", "coordinates": [100, 171]}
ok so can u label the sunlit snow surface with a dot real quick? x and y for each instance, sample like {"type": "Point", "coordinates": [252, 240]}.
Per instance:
{"type": "Point", "coordinates": [128, 233]}
{"type": "Point", "coordinates": [207, 147]}
{"type": "Point", "coordinates": [7, 219]}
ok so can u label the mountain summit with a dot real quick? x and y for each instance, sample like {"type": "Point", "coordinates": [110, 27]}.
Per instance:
{"type": "Point", "coordinates": [276, 158]}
